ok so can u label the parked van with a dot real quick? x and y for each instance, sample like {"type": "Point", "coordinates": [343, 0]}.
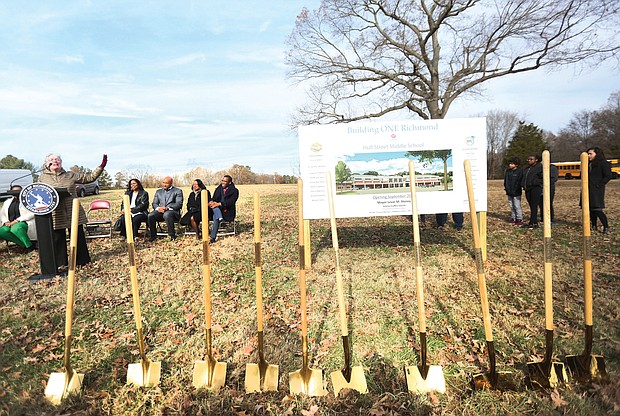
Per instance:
{"type": "Point", "coordinates": [21, 177]}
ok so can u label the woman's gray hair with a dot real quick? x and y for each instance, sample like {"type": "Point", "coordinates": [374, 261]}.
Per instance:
{"type": "Point", "coordinates": [51, 156]}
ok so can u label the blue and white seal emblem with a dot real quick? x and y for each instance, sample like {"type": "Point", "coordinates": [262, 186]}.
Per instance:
{"type": "Point", "coordinates": [39, 198]}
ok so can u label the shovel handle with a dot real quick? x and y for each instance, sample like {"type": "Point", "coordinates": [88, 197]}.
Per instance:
{"type": "Point", "coordinates": [206, 263]}
{"type": "Point", "coordinates": [548, 269]}
{"type": "Point", "coordinates": [332, 218]}
{"type": "Point", "coordinates": [484, 301]}
{"type": "Point", "coordinates": [132, 264]}
{"type": "Point", "coordinates": [587, 251]}
{"type": "Point", "coordinates": [75, 215]}
{"type": "Point", "coordinates": [302, 256]}
{"type": "Point", "coordinates": [257, 263]}
{"type": "Point", "coordinates": [417, 251]}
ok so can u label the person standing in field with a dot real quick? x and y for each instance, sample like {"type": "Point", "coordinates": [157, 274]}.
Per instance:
{"type": "Point", "coordinates": [513, 176]}
{"type": "Point", "coordinates": [599, 174]}
{"type": "Point", "coordinates": [532, 184]}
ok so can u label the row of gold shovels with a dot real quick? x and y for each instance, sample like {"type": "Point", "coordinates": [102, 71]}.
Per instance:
{"type": "Point", "coordinates": [211, 374]}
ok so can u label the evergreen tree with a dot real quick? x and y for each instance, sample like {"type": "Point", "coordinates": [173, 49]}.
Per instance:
{"type": "Point", "coordinates": [527, 140]}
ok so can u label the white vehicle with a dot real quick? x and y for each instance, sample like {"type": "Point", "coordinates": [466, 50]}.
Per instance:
{"type": "Point", "coordinates": [21, 177]}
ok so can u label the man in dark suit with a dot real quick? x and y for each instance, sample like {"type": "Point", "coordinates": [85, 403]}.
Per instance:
{"type": "Point", "coordinates": [167, 206]}
{"type": "Point", "coordinates": [223, 204]}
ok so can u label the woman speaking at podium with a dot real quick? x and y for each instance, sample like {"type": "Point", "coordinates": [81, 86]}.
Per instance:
{"type": "Point", "coordinates": [54, 175]}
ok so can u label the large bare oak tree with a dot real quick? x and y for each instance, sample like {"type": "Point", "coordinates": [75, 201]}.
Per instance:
{"type": "Point", "coordinates": [367, 58]}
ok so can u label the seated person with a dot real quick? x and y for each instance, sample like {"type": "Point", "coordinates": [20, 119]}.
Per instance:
{"type": "Point", "coordinates": [17, 223]}
{"type": "Point", "coordinates": [167, 206]}
{"type": "Point", "coordinates": [223, 204]}
{"type": "Point", "coordinates": [193, 216]}
{"type": "Point", "coordinates": [138, 204]}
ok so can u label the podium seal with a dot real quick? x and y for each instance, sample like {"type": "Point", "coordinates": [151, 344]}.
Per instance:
{"type": "Point", "coordinates": [39, 198]}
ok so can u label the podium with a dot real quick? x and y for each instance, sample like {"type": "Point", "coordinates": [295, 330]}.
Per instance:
{"type": "Point", "coordinates": [42, 200]}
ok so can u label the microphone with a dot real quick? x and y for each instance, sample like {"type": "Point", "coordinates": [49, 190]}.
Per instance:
{"type": "Point", "coordinates": [29, 174]}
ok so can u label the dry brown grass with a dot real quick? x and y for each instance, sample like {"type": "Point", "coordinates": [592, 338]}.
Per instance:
{"type": "Point", "coordinates": [380, 293]}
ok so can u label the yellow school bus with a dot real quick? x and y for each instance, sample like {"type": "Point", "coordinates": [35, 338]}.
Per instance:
{"type": "Point", "coordinates": [570, 170]}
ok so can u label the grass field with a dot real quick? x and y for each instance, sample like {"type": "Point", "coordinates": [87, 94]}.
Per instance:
{"type": "Point", "coordinates": [377, 263]}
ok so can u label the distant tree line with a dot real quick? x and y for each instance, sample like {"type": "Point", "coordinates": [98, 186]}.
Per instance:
{"type": "Point", "coordinates": [242, 175]}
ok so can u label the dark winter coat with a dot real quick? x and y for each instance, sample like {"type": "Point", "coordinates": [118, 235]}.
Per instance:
{"type": "Point", "coordinates": [142, 202]}
{"type": "Point", "coordinates": [599, 175]}
{"type": "Point", "coordinates": [194, 207]}
{"type": "Point", "coordinates": [512, 181]}
{"type": "Point", "coordinates": [532, 176]}
{"type": "Point", "coordinates": [228, 199]}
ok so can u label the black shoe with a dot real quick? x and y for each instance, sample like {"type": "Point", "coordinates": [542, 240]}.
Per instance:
{"type": "Point", "coordinates": [533, 226]}
{"type": "Point", "coordinates": [151, 239]}
{"type": "Point", "coordinates": [211, 240]}
{"type": "Point", "coordinates": [605, 230]}
{"type": "Point", "coordinates": [172, 237]}
{"type": "Point", "coordinates": [29, 249]}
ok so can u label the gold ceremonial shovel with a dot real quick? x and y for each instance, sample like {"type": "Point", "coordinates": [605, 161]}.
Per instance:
{"type": "Point", "coordinates": [349, 377]}
{"type": "Point", "coordinates": [60, 385]}
{"type": "Point", "coordinates": [262, 376]}
{"type": "Point", "coordinates": [548, 373]}
{"type": "Point", "coordinates": [146, 373]}
{"type": "Point", "coordinates": [210, 374]}
{"type": "Point", "coordinates": [422, 378]}
{"type": "Point", "coordinates": [587, 366]}
{"type": "Point", "coordinates": [306, 380]}
{"type": "Point", "coordinates": [492, 379]}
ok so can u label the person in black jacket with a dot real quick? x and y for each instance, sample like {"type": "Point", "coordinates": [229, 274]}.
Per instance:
{"type": "Point", "coordinates": [139, 205]}
{"type": "Point", "coordinates": [513, 176]}
{"type": "Point", "coordinates": [223, 204]}
{"type": "Point", "coordinates": [532, 184]}
{"type": "Point", "coordinates": [193, 216]}
{"type": "Point", "coordinates": [599, 174]}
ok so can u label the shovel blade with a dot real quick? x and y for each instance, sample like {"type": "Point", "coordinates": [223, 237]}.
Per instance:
{"type": "Point", "coordinates": [501, 380]}
{"type": "Point", "coordinates": [309, 382]}
{"type": "Point", "coordinates": [434, 380]}
{"type": "Point", "coordinates": [60, 385]}
{"type": "Point", "coordinates": [209, 377]}
{"type": "Point", "coordinates": [538, 374]}
{"type": "Point", "coordinates": [587, 368]}
{"type": "Point", "coordinates": [539, 377]}
{"type": "Point", "coordinates": [252, 378]}
{"type": "Point", "coordinates": [144, 376]}
{"type": "Point", "coordinates": [358, 381]}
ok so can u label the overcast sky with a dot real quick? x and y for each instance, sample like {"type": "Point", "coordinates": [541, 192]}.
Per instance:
{"type": "Point", "coordinates": [169, 86]}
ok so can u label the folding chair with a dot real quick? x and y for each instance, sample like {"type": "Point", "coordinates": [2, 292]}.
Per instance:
{"type": "Point", "coordinates": [227, 228]}
{"type": "Point", "coordinates": [98, 227]}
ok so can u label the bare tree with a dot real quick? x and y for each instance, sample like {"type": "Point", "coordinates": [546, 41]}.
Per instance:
{"type": "Point", "coordinates": [368, 58]}
{"type": "Point", "coordinates": [501, 126]}
{"type": "Point", "coordinates": [606, 123]}
{"type": "Point", "coordinates": [575, 138]}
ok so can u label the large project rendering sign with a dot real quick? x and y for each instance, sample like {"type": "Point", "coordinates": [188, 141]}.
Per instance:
{"type": "Point", "coordinates": [369, 166]}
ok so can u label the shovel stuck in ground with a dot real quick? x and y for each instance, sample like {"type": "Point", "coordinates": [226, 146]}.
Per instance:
{"type": "Point", "coordinates": [548, 373]}
{"type": "Point", "coordinates": [587, 367]}
{"type": "Point", "coordinates": [60, 385]}
{"type": "Point", "coordinates": [262, 376]}
{"type": "Point", "coordinates": [350, 377]}
{"type": "Point", "coordinates": [308, 381]}
{"type": "Point", "coordinates": [208, 373]}
{"type": "Point", "coordinates": [493, 379]}
{"type": "Point", "coordinates": [422, 378]}
{"type": "Point", "coordinates": [146, 373]}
